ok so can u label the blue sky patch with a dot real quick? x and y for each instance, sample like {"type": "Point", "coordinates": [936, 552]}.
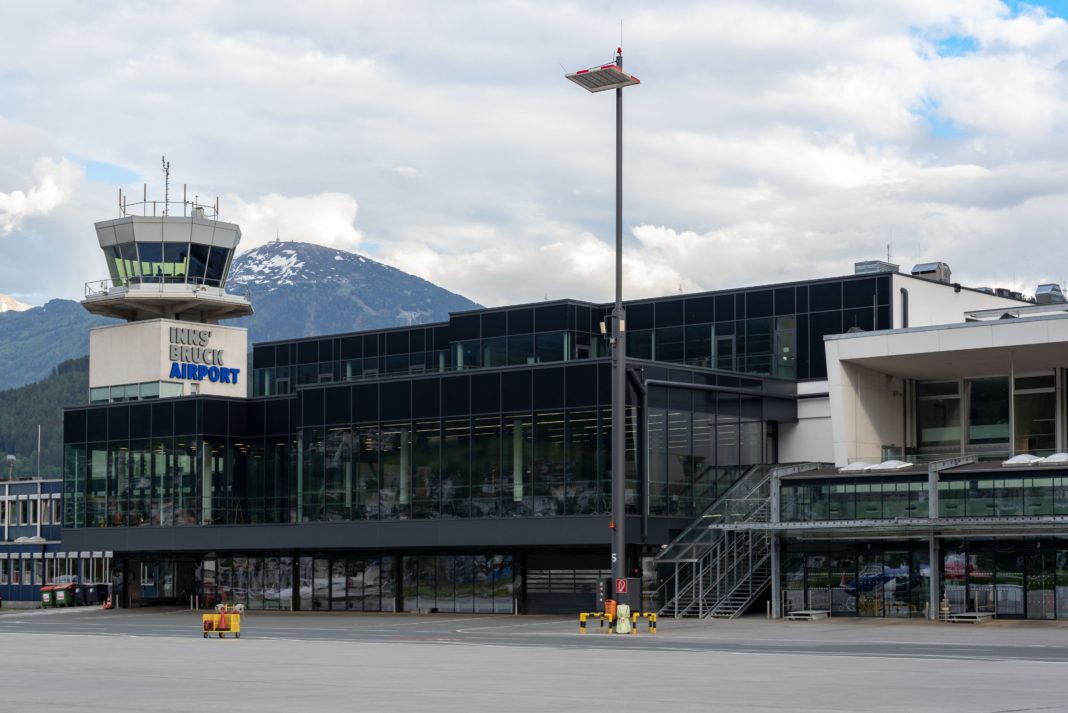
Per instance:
{"type": "Point", "coordinates": [1053, 8]}
{"type": "Point", "coordinates": [956, 46]}
{"type": "Point", "coordinates": [941, 128]}
{"type": "Point", "coordinates": [110, 173]}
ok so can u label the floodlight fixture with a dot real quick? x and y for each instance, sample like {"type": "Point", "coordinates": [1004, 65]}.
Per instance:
{"type": "Point", "coordinates": [599, 79]}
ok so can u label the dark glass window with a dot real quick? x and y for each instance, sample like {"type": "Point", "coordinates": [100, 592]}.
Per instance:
{"type": "Point", "coordinates": [784, 301]}
{"type": "Point", "coordinates": [485, 393]}
{"type": "Point", "coordinates": [494, 324]}
{"type": "Point", "coordinates": [495, 351]}
{"type": "Point", "coordinates": [456, 395]}
{"type": "Point", "coordinates": [700, 309]}
{"type": "Point", "coordinates": [338, 404]}
{"type": "Point", "coordinates": [550, 318]}
{"type": "Point", "coordinates": [670, 344]}
{"type": "Point", "coordinates": [862, 318]}
{"type": "Point", "coordinates": [759, 304]}
{"type": "Point", "coordinates": [185, 417]}
{"type": "Point", "coordinates": [550, 346]}
{"type": "Point", "coordinates": [465, 327]}
{"type": "Point", "coordinates": [262, 356]}
{"type": "Point", "coordinates": [397, 343]}
{"type": "Point", "coordinates": [640, 343]}
{"type": "Point", "coordinates": [699, 344]}
{"type": "Point", "coordinates": [859, 293]}
{"type": "Point", "coordinates": [198, 262]}
{"type": "Point", "coordinates": [549, 388]}
{"type": "Point", "coordinates": [640, 316]}
{"type": "Point", "coordinates": [365, 403]}
{"type": "Point", "coordinates": [724, 307]}
{"type": "Point", "coordinates": [515, 390]}
{"type": "Point", "coordinates": [988, 411]}
{"type": "Point", "coordinates": [581, 385]}
{"type": "Point", "coordinates": [521, 349]}
{"type": "Point", "coordinates": [467, 354]}
{"type": "Point", "coordinates": [128, 252]}
{"type": "Point", "coordinates": [521, 321]}
{"type": "Point", "coordinates": [670, 313]}
{"type": "Point", "coordinates": [216, 271]}
{"type": "Point", "coordinates": [425, 402]}
{"type": "Point", "coordinates": [824, 296]}
{"type": "Point", "coordinates": [821, 324]}
{"type": "Point", "coordinates": [395, 400]}
{"type": "Point", "coordinates": [308, 353]}
{"type": "Point", "coordinates": [151, 257]}
{"type": "Point", "coordinates": [175, 261]}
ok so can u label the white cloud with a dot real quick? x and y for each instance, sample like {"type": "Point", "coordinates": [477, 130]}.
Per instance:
{"type": "Point", "coordinates": [53, 183]}
{"type": "Point", "coordinates": [327, 219]}
{"type": "Point", "coordinates": [407, 171]}
{"type": "Point", "coordinates": [768, 141]}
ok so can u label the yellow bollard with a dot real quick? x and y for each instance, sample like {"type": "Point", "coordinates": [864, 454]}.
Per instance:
{"type": "Point", "coordinates": [582, 623]}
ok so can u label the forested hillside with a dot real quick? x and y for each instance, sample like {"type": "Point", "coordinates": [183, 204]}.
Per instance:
{"type": "Point", "coordinates": [42, 403]}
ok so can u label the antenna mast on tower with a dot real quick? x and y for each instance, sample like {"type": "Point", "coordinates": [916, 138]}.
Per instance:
{"type": "Point", "coordinates": [166, 184]}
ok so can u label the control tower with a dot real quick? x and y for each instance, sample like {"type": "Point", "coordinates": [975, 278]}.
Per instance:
{"type": "Point", "coordinates": [168, 262]}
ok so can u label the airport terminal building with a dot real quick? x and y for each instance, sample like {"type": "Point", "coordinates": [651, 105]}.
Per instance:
{"type": "Point", "coordinates": [464, 466]}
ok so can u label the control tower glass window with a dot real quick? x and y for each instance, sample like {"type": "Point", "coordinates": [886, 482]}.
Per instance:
{"type": "Point", "coordinates": [123, 262]}
{"type": "Point", "coordinates": [198, 261]}
{"type": "Point", "coordinates": [175, 261]}
{"type": "Point", "coordinates": [216, 266]}
{"type": "Point", "coordinates": [151, 255]}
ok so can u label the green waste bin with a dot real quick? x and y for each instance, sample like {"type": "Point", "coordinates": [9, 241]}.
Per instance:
{"type": "Point", "coordinates": [64, 595]}
{"type": "Point", "coordinates": [48, 596]}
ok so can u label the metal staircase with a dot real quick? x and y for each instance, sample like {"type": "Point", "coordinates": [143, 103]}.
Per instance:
{"type": "Point", "coordinates": [716, 572]}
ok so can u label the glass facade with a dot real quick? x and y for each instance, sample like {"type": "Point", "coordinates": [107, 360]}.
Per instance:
{"type": "Point", "coordinates": [1042, 493]}
{"type": "Point", "coordinates": [844, 581]}
{"type": "Point", "coordinates": [772, 331]}
{"type": "Point", "coordinates": [534, 442]}
{"type": "Point", "coordinates": [974, 416]}
{"type": "Point", "coordinates": [138, 262]}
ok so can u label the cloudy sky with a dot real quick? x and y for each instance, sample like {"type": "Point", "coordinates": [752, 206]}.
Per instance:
{"type": "Point", "coordinates": [767, 141]}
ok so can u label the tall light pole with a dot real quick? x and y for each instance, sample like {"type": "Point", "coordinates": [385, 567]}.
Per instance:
{"type": "Point", "coordinates": [599, 79]}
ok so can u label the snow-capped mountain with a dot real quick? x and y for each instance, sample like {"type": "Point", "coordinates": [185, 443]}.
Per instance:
{"type": "Point", "coordinates": [10, 304]}
{"type": "Point", "coordinates": [301, 289]}
{"type": "Point", "coordinates": [297, 290]}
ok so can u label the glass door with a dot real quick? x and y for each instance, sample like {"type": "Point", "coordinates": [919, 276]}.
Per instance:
{"type": "Point", "coordinates": [871, 582]}
{"type": "Point", "coordinates": [1041, 575]}
{"type": "Point", "coordinates": [1010, 581]}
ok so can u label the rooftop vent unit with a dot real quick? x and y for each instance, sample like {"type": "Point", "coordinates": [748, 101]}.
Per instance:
{"type": "Point", "coordinates": [933, 271]}
{"type": "Point", "coordinates": [872, 267]}
{"type": "Point", "coordinates": [1049, 295]}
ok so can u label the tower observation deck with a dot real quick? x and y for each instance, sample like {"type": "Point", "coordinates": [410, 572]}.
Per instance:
{"type": "Point", "coordinates": [168, 264]}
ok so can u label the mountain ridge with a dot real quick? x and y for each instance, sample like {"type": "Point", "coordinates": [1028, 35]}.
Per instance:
{"type": "Point", "coordinates": [297, 289]}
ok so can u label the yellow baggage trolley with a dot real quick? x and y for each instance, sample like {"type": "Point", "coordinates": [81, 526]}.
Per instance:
{"type": "Point", "coordinates": [225, 620]}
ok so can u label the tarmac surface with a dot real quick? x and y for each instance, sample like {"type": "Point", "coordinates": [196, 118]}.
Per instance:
{"type": "Point", "coordinates": [88, 659]}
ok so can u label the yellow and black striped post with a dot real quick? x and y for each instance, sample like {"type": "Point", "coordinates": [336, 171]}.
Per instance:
{"type": "Point", "coordinates": [582, 622]}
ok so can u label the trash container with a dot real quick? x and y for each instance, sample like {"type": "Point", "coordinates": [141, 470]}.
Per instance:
{"type": "Point", "coordinates": [48, 596]}
{"type": "Point", "coordinates": [89, 595]}
{"type": "Point", "coordinates": [64, 595]}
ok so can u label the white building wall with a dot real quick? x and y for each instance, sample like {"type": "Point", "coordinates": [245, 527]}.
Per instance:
{"type": "Point", "coordinates": [867, 410]}
{"type": "Point", "coordinates": [810, 439]}
{"type": "Point", "coordinates": [932, 303]}
{"type": "Point", "coordinates": [139, 352]}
